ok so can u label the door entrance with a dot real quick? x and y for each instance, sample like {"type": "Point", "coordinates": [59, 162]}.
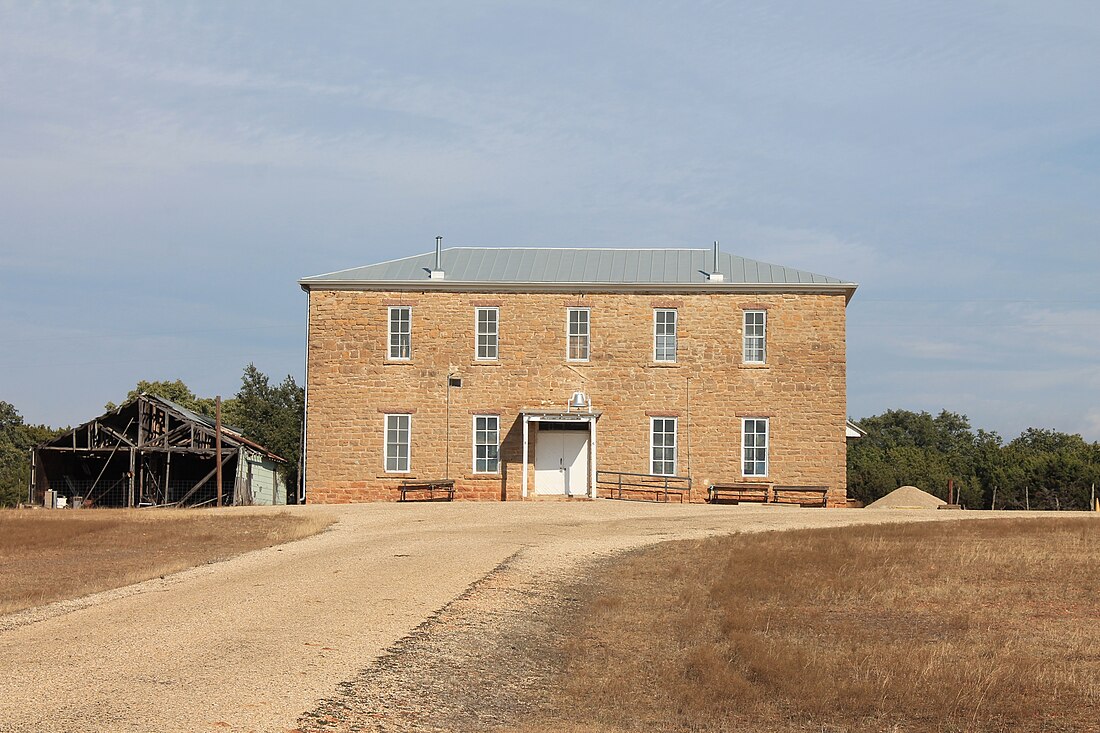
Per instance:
{"type": "Point", "coordinates": [561, 459]}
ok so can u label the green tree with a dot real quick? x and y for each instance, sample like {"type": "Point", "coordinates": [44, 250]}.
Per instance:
{"type": "Point", "coordinates": [176, 391]}
{"type": "Point", "coordinates": [271, 415]}
{"type": "Point", "coordinates": [16, 440]}
{"type": "Point", "coordinates": [1043, 469]}
{"type": "Point", "coordinates": [915, 448]}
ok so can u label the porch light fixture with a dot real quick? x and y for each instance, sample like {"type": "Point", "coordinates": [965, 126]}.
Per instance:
{"type": "Point", "coordinates": [579, 401]}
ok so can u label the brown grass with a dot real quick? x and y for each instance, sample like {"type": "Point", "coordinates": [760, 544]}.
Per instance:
{"type": "Point", "coordinates": [961, 626]}
{"type": "Point", "coordinates": [48, 556]}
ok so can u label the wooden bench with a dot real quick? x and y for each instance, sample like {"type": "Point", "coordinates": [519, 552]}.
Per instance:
{"type": "Point", "coordinates": [739, 492]}
{"type": "Point", "coordinates": [446, 487]}
{"type": "Point", "coordinates": [818, 495]}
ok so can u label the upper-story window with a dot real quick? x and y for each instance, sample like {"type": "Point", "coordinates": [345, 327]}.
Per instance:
{"type": "Point", "coordinates": [754, 446]}
{"type": "Point", "coordinates": [398, 434]}
{"type": "Point", "coordinates": [400, 332]}
{"type": "Point", "coordinates": [664, 334]}
{"type": "Point", "coordinates": [577, 334]}
{"type": "Point", "coordinates": [755, 346]}
{"type": "Point", "coordinates": [662, 446]}
{"type": "Point", "coordinates": [488, 320]}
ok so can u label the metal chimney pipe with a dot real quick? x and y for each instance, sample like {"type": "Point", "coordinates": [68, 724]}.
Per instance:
{"type": "Point", "coordinates": [715, 256]}
{"type": "Point", "coordinates": [438, 252]}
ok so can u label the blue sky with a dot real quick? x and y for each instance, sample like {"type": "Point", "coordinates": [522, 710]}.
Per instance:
{"type": "Point", "coordinates": [169, 170]}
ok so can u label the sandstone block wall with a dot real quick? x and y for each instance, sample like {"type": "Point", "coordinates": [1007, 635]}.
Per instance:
{"type": "Point", "coordinates": [352, 385]}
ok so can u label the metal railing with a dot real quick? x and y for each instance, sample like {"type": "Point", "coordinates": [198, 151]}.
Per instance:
{"type": "Point", "coordinates": [615, 483]}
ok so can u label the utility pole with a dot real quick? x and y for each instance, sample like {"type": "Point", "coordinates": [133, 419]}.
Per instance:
{"type": "Point", "coordinates": [218, 444]}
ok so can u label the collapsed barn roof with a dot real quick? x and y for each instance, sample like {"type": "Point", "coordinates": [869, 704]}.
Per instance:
{"type": "Point", "coordinates": [149, 451]}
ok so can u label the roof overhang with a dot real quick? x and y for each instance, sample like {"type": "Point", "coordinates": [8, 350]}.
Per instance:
{"type": "Point", "coordinates": [851, 430]}
{"type": "Point", "coordinates": [845, 289]}
{"type": "Point", "coordinates": [559, 415]}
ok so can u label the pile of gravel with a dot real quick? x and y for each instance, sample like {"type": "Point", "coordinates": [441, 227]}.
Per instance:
{"type": "Point", "coordinates": [907, 497]}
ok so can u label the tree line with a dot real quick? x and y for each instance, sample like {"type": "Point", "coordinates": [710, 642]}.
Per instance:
{"type": "Point", "coordinates": [1040, 468]}
{"type": "Point", "coordinates": [265, 412]}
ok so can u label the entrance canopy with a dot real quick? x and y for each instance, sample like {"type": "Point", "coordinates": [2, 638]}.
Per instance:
{"type": "Point", "coordinates": [542, 415]}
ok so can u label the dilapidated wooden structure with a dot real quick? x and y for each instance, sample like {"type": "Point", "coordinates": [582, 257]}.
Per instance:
{"type": "Point", "coordinates": [154, 452]}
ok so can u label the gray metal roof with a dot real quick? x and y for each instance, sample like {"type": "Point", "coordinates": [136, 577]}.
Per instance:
{"type": "Point", "coordinates": [544, 265]}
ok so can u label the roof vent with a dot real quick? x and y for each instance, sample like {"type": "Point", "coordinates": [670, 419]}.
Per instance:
{"type": "Point", "coordinates": [436, 273]}
{"type": "Point", "coordinates": [715, 275]}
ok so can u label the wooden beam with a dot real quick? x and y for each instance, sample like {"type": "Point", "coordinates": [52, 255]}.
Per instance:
{"type": "Point", "coordinates": [130, 498]}
{"type": "Point", "coordinates": [115, 433]}
{"type": "Point", "coordinates": [218, 442]}
{"type": "Point", "coordinates": [147, 449]}
{"type": "Point", "coordinates": [169, 435]}
{"type": "Point", "coordinates": [206, 478]}
{"type": "Point", "coordinates": [106, 463]}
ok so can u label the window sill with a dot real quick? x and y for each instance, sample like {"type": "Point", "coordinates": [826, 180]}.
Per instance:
{"type": "Point", "coordinates": [486, 363]}
{"type": "Point", "coordinates": [663, 365]}
{"type": "Point", "coordinates": [397, 362]}
{"type": "Point", "coordinates": [404, 475]}
{"type": "Point", "coordinates": [482, 477]}
{"type": "Point", "coordinates": [572, 363]}
{"type": "Point", "coordinates": [753, 366]}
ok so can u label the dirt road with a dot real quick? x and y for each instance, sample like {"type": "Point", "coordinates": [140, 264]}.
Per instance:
{"type": "Point", "coordinates": [252, 643]}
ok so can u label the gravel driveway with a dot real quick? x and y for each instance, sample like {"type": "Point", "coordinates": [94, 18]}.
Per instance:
{"type": "Point", "coordinates": [253, 643]}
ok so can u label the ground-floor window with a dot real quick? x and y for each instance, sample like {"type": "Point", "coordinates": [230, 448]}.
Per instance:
{"type": "Point", "coordinates": [398, 432]}
{"type": "Point", "coordinates": [486, 443]}
{"type": "Point", "coordinates": [754, 446]}
{"type": "Point", "coordinates": [663, 446]}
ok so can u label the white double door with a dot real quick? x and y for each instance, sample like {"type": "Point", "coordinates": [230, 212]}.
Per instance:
{"type": "Point", "coordinates": [561, 462]}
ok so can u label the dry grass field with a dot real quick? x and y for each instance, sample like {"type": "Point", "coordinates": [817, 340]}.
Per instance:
{"type": "Point", "coordinates": [953, 626]}
{"type": "Point", "coordinates": [49, 556]}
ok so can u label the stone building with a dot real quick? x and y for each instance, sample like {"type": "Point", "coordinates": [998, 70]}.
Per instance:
{"type": "Point", "coordinates": [527, 372]}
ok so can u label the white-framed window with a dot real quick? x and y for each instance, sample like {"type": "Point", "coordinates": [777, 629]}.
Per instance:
{"type": "Point", "coordinates": [754, 446]}
{"type": "Point", "coordinates": [662, 446]}
{"type": "Point", "coordinates": [488, 325]}
{"type": "Point", "coordinates": [400, 332]}
{"type": "Point", "coordinates": [486, 444]}
{"type": "Point", "coordinates": [756, 323]}
{"type": "Point", "coordinates": [577, 333]}
{"type": "Point", "coordinates": [398, 434]}
{"type": "Point", "coordinates": [664, 334]}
